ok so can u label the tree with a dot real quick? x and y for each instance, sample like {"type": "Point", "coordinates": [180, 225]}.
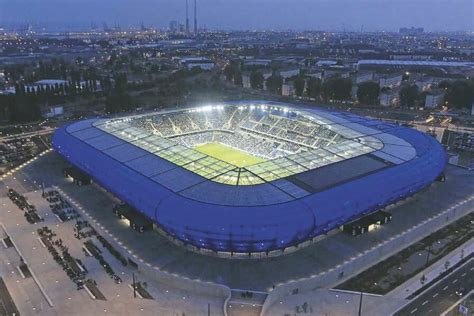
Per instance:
{"type": "Point", "coordinates": [256, 80]}
{"type": "Point", "coordinates": [460, 94]}
{"type": "Point", "coordinates": [105, 84]}
{"type": "Point", "coordinates": [408, 95]}
{"type": "Point", "coordinates": [313, 90]}
{"type": "Point", "coordinates": [299, 85]}
{"type": "Point", "coordinates": [118, 100]}
{"type": "Point", "coordinates": [237, 78]}
{"type": "Point", "coordinates": [115, 103]}
{"type": "Point", "coordinates": [274, 84]}
{"type": "Point", "coordinates": [22, 107]}
{"type": "Point", "coordinates": [121, 83]}
{"type": "Point", "coordinates": [196, 70]}
{"type": "Point", "coordinates": [368, 92]}
{"type": "Point", "coordinates": [444, 84]}
{"type": "Point", "coordinates": [229, 71]}
{"type": "Point", "coordinates": [155, 68]}
{"type": "Point", "coordinates": [337, 88]}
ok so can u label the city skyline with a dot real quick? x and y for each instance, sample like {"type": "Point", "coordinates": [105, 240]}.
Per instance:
{"type": "Point", "coordinates": [365, 15]}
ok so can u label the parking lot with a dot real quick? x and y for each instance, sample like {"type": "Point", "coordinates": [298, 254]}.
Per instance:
{"type": "Point", "coordinates": [154, 248]}
{"type": "Point", "coordinates": [16, 150]}
{"type": "Point", "coordinates": [77, 270]}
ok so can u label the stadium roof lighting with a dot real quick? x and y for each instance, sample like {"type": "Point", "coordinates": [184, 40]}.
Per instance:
{"type": "Point", "coordinates": [321, 169]}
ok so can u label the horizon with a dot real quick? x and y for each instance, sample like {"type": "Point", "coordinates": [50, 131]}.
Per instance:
{"type": "Point", "coordinates": [245, 15]}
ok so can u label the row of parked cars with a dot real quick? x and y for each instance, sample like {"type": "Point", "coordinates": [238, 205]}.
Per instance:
{"type": "Point", "coordinates": [82, 230]}
{"type": "Point", "coordinates": [21, 202]}
{"type": "Point", "coordinates": [16, 151]}
{"type": "Point", "coordinates": [97, 253]}
{"type": "Point", "coordinates": [73, 267]}
{"type": "Point", "coordinates": [112, 250]}
{"type": "Point", "coordinates": [60, 207]}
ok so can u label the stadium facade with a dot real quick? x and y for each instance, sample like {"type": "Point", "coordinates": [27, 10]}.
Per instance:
{"type": "Point", "coordinates": [317, 170]}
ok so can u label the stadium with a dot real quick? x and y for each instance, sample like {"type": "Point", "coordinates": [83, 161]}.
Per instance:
{"type": "Point", "coordinates": [253, 178]}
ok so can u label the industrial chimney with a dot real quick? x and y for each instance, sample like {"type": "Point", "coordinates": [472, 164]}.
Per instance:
{"type": "Point", "coordinates": [187, 18]}
{"type": "Point", "coordinates": [195, 18]}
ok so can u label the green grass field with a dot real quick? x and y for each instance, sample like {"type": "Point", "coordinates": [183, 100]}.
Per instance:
{"type": "Point", "coordinates": [228, 154]}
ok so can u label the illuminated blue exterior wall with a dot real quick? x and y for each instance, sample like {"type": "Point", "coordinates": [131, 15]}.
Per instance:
{"type": "Point", "coordinates": [247, 228]}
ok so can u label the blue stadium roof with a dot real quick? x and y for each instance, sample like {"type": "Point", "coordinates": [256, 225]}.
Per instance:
{"type": "Point", "coordinates": [395, 162]}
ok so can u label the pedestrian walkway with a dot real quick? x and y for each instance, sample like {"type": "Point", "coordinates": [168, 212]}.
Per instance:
{"type": "Point", "coordinates": [339, 249]}
{"type": "Point", "coordinates": [433, 271]}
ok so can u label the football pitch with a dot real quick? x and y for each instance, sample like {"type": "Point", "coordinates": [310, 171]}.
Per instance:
{"type": "Point", "coordinates": [228, 154]}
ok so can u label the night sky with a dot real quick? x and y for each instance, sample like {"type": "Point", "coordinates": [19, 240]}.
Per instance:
{"type": "Point", "coordinates": [351, 15]}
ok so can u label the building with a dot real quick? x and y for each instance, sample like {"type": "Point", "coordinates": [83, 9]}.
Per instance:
{"type": "Point", "coordinates": [246, 79]}
{"type": "Point", "coordinates": [55, 111]}
{"type": "Point", "coordinates": [434, 99]}
{"type": "Point", "coordinates": [389, 97]}
{"type": "Point", "coordinates": [410, 57]}
{"type": "Point", "coordinates": [364, 76]}
{"type": "Point", "coordinates": [48, 83]}
{"type": "Point", "coordinates": [174, 26]}
{"type": "Point", "coordinates": [203, 63]}
{"type": "Point", "coordinates": [411, 64]}
{"type": "Point", "coordinates": [318, 75]}
{"type": "Point", "coordinates": [412, 31]}
{"type": "Point", "coordinates": [288, 73]}
{"type": "Point", "coordinates": [133, 218]}
{"type": "Point", "coordinates": [325, 63]}
{"type": "Point", "coordinates": [390, 81]}
{"type": "Point", "coordinates": [288, 89]}
{"type": "Point", "coordinates": [367, 223]}
{"type": "Point", "coordinates": [59, 84]}
{"type": "Point", "coordinates": [2, 80]}
{"type": "Point", "coordinates": [257, 62]}
{"type": "Point", "coordinates": [267, 207]}
{"type": "Point", "coordinates": [77, 176]}
{"type": "Point", "coordinates": [426, 83]}
{"type": "Point", "coordinates": [334, 71]}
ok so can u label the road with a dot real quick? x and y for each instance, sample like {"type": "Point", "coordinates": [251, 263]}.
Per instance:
{"type": "Point", "coordinates": [441, 296]}
{"type": "Point", "coordinates": [45, 131]}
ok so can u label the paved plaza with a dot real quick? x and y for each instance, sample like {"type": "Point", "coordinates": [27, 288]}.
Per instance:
{"type": "Point", "coordinates": [150, 247]}
{"type": "Point", "coordinates": [51, 292]}
{"type": "Point", "coordinates": [249, 274]}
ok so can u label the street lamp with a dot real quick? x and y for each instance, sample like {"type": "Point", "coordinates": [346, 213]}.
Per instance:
{"type": "Point", "coordinates": [428, 256]}
{"type": "Point", "coordinates": [134, 285]}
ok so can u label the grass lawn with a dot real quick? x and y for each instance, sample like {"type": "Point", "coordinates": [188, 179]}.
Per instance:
{"type": "Point", "coordinates": [228, 154]}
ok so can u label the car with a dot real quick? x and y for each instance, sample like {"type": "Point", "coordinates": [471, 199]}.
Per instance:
{"type": "Point", "coordinates": [460, 292]}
